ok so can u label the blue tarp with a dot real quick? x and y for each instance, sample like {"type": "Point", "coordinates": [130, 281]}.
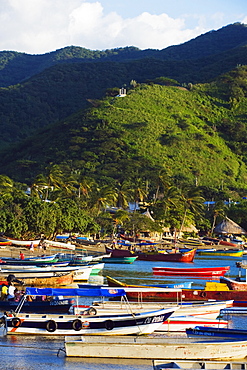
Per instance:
{"type": "Point", "coordinates": [85, 292]}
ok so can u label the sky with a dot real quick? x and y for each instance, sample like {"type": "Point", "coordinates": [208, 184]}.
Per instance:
{"type": "Point", "coordinates": [41, 26]}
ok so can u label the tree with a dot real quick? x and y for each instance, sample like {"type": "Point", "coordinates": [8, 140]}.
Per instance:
{"type": "Point", "coordinates": [218, 211]}
{"type": "Point", "coordinates": [192, 201]}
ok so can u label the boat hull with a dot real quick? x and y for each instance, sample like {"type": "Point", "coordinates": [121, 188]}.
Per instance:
{"type": "Point", "coordinates": [119, 259]}
{"type": "Point", "coordinates": [222, 253]}
{"type": "Point", "coordinates": [168, 257]}
{"type": "Point", "coordinates": [107, 325]}
{"type": "Point", "coordinates": [233, 284]}
{"type": "Point", "coordinates": [200, 272]}
{"type": "Point", "coordinates": [44, 281]}
{"type": "Point", "coordinates": [153, 348]}
{"type": "Point", "coordinates": [208, 332]}
{"type": "Point", "coordinates": [188, 295]}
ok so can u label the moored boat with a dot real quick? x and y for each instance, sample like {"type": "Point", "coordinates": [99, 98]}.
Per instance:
{"type": "Point", "coordinates": [216, 332]}
{"type": "Point", "coordinates": [218, 292]}
{"type": "Point", "coordinates": [113, 282]}
{"type": "Point", "coordinates": [150, 347]}
{"type": "Point", "coordinates": [234, 284]}
{"type": "Point", "coordinates": [107, 325]}
{"type": "Point", "coordinates": [119, 259]}
{"type": "Point", "coordinates": [181, 323]}
{"type": "Point", "coordinates": [151, 255]}
{"type": "Point", "coordinates": [221, 252]}
{"type": "Point", "coordinates": [197, 272]}
{"type": "Point", "coordinates": [197, 365]}
{"type": "Point", "coordinates": [51, 280]}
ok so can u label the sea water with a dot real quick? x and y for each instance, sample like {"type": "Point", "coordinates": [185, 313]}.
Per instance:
{"type": "Point", "coordinates": [47, 353]}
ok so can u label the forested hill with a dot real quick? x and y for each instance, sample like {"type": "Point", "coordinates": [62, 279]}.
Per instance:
{"type": "Point", "coordinates": [17, 67]}
{"type": "Point", "coordinates": [194, 135]}
{"type": "Point", "coordinates": [71, 77]}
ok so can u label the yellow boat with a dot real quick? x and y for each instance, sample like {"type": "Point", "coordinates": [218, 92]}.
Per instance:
{"type": "Point", "coordinates": [220, 252]}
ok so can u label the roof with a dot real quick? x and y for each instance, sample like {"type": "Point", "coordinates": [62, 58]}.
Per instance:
{"type": "Point", "coordinates": [228, 226]}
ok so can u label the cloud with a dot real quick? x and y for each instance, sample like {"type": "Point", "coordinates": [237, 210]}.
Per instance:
{"type": "Point", "coordinates": [39, 26]}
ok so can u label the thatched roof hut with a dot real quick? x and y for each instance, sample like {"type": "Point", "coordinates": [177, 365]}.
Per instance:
{"type": "Point", "coordinates": [228, 226]}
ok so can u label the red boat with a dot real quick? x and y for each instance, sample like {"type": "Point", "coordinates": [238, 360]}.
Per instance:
{"type": "Point", "coordinates": [234, 284]}
{"type": "Point", "coordinates": [187, 256]}
{"type": "Point", "coordinates": [199, 272]}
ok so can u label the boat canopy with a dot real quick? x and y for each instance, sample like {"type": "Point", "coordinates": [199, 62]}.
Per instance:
{"type": "Point", "coordinates": [94, 292]}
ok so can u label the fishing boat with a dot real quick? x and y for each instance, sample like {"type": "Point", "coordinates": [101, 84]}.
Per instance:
{"type": "Point", "coordinates": [113, 282]}
{"type": "Point", "coordinates": [221, 252]}
{"type": "Point", "coordinates": [197, 365]}
{"type": "Point", "coordinates": [181, 323]}
{"type": "Point", "coordinates": [234, 284]}
{"type": "Point", "coordinates": [151, 347]}
{"type": "Point", "coordinates": [205, 310]}
{"type": "Point", "coordinates": [197, 272]}
{"type": "Point", "coordinates": [34, 261]}
{"type": "Point", "coordinates": [107, 325]}
{"type": "Point", "coordinates": [54, 279]}
{"type": "Point", "coordinates": [119, 259]}
{"type": "Point", "coordinates": [216, 291]}
{"type": "Point", "coordinates": [216, 332]}
{"type": "Point", "coordinates": [187, 256]}
{"type": "Point", "coordinates": [21, 243]}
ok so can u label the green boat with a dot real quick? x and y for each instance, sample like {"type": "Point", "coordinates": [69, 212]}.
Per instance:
{"type": "Point", "coordinates": [119, 259]}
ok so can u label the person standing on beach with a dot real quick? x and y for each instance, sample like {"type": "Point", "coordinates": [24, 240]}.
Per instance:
{"type": "Point", "coordinates": [22, 257]}
{"type": "Point", "coordinates": [31, 247]}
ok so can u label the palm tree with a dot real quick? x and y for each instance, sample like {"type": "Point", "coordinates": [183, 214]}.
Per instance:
{"type": "Point", "coordinates": [6, 186]}
{"type": "Point", "coordinates": [38, 186]}
{"type": "Point", "coordinates": [54, 178]}
{"type": "Point", "coordinates": [193, 201]}
{"type": "Point", "coordinates": [123, 191]}
{"type": "Point", "coordinates": [103, 197]}
{"type": "Point", "coordinates": [139, 191]}
{"type": "Point", "coordinates": [218, 211]}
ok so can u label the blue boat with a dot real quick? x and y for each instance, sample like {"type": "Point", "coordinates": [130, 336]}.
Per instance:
{"type": "Point", "coordinates": [208, 332]}
{"type": "Point", "coordinates": [186, 285]}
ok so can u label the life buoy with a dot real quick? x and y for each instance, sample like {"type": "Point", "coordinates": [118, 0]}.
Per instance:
{"type": "Point", "coordinates": [109, 325]}
{"type": "Point", "coordinates": [51, 325]}
{"type": "Point", "coordinates": [92, 311]}
{"type": "Point", "coordinates": [77, 325]}
{"type": "Point", "coordinates": [203, 294]}
{"type": "Point", "coordinates": [85, 324]}
{"type": "Point", "coordinates": [15, 322]}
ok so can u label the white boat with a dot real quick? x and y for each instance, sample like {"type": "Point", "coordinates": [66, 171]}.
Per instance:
{"type": "Point", "coordinates": [198, 365]}
{"type": "Point", "coordinates": [107, 325]}
{"type": "Point", "coordinates": [206, 310]}
{"type": "Point", "coordinates": [51, 324]}
{"type": "Point", "coordinates": [81, 273]}
{"type": "Point", "coordinates": [181, 323]}
{"type": "Point", "coordinates": [153, 347]}
{"type": "Point", "coordinates": [60, 245]}
{"type": "Point", "coordinates": [24, 243]}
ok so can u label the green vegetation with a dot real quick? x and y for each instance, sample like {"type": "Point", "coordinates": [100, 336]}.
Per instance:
{"type": "Point", "coordinates": [177, 138]}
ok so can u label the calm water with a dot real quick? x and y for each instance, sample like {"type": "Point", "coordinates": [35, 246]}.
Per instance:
{"type": "Point", "coordinates": [35, 352]}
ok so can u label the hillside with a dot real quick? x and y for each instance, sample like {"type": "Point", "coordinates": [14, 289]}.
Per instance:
{"type": "Point", "coordinates": [190, 134]}
{"type": "Point", "coordinates": [62, 90]}
{"type": "Point", "coordinates": [39, 90]}
{"type": "Point", "coordinates": [17, 67]}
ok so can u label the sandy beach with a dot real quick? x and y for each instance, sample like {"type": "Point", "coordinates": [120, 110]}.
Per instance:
{"type": "Point", "coordinates": [14, 251]}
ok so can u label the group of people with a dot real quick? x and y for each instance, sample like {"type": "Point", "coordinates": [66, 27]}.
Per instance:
{"type": "Point", "coordinates": [10, 293]}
